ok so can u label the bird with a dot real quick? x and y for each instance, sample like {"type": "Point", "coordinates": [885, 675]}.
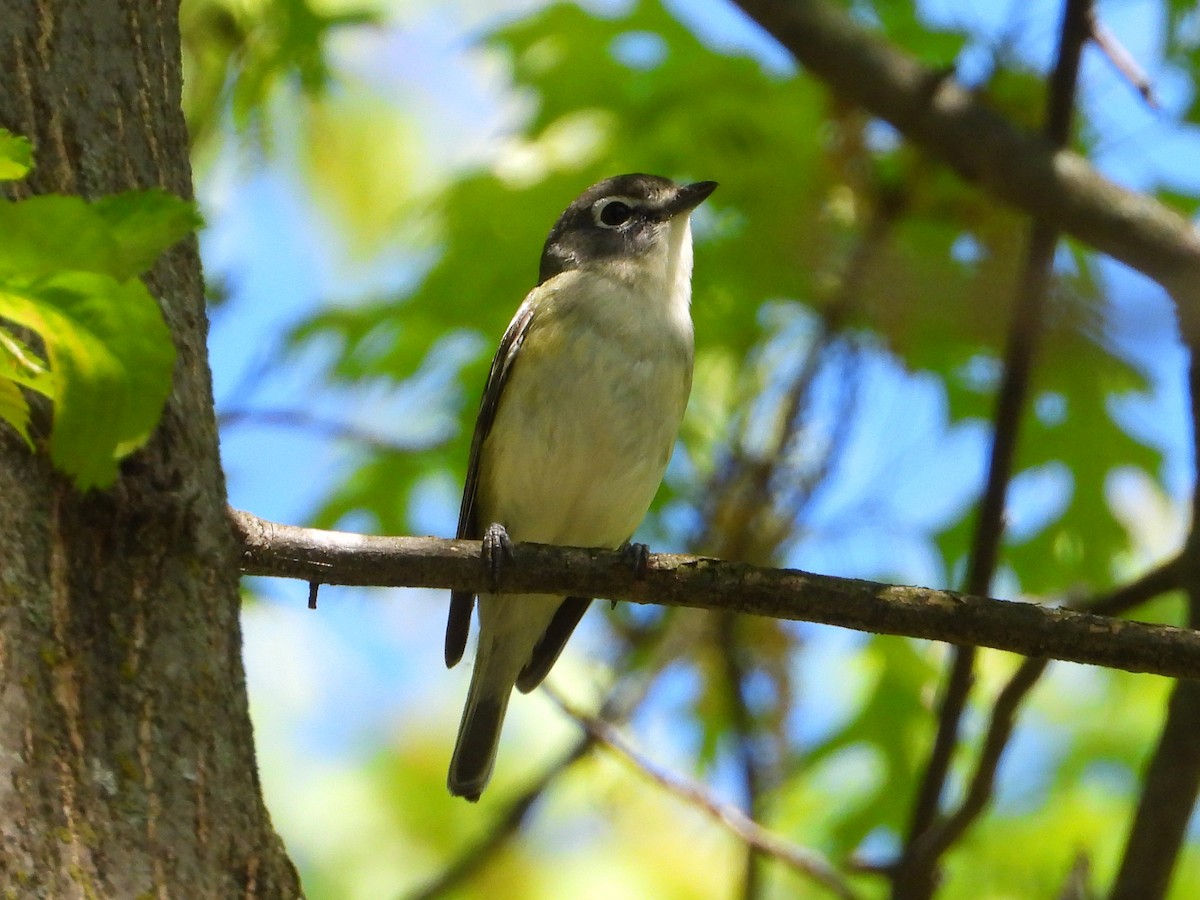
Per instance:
{"type": "Point", "coordinates": [579, 415]}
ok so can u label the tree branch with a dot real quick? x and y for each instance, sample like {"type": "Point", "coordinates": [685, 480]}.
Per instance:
{"type": "Point", "coordinates": [1165, 806]}
{"type": "Point", "coordinates": [728, 642]}
{"type": "Point", "coordinates": [943, 833]}
{"type": "Point", "coordinates": [1016, 167]}
{"type": "Point", "coordinates": [807, 862]}
{"type": "Point", "coordinates": [331, 557]}
{"type": "Point", "coordinates": [1167, 577]}
{"type": "Point", "coordinates": [917, 877]}
{"type": "Point", "coordinates": [1004, 710]}
{"type": "Point", "coordinates": [1172, 779]}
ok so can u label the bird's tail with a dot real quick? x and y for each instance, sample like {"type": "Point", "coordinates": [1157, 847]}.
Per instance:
{"type": "Point", "coordinates": [479, 732]}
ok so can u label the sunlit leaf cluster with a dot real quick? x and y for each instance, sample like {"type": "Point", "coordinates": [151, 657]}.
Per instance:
{"type": "Point", "coordinates": [77, 325]}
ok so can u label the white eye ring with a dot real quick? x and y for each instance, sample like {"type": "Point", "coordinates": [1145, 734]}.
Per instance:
{"type": "Point", "coordinates": [613, 212]}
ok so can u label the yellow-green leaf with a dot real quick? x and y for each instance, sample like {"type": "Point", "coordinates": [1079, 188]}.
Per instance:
{"type": "Point", "coordinates": [16, 156]}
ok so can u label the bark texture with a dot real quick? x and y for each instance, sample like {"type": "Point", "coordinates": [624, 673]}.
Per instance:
{"type": "Point", "coordinates": [126, 753]}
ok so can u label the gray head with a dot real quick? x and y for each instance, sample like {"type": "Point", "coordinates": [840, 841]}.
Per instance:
{"type": "Point", "coordinates": [619, 218]}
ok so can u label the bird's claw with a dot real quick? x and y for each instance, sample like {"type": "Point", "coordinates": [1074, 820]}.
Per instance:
{"type": "Point", "coordinates": [637, 556]}
{"type": "Point", "coordinates": [497, 550]}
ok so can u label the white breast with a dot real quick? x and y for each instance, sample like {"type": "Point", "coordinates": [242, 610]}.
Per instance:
{"type": "Point", "coordinates": [591, 409]}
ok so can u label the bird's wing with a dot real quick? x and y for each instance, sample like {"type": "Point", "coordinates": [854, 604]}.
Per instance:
{"type": "Point", "coordinates": [469, 527]}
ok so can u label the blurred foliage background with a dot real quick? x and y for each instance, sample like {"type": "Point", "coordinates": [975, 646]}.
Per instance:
{"type": "Point", "coordinates": [379, 178]}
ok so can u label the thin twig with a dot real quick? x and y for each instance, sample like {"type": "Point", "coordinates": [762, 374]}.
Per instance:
{"type": "Point", "coordinates": [1172, 778]}
{"type": "Point", "coordinates": [1078, 883]}
{"type": "Point", "coordinates": [1122, 60]}
{"type": "Point", "coordinates": [749, 478]}
{"type": "Point", "coordinates": [1158, 581]}
{"type": "Point", "coordinates": [504, 828]}
{"type": "Point", "coordinates": [945, 832]}
{"type": "Point", "coordinates": [745, 734]}
{"type": "Point", "coordinates": [307, 421]}
{"type": "Point", "coordinates": [622, 701]}
{"type": "Point", "coordinates": [754, 493]}
{"type": "Point", "coordinates": [806, 862]}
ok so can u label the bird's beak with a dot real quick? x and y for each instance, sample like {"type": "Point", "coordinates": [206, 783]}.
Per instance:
{"type": "Point", "coordinates": [687, 198]}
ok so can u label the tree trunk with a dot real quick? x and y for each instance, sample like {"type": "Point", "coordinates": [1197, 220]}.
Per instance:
{"type": "Point", "coordinates": [126, 754]}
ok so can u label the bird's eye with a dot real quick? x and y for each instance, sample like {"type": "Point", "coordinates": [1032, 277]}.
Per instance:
{"type": "Point", "coordinates": [611, 213]}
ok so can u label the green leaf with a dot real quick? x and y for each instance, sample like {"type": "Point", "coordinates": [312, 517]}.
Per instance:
{"type": "Point", "coordinates": [49, 234]}
{"type": "Point", "coordinates": [20, 364]}
{"type": "Point", "coordinates": [112, 357]}
{"type": "Point", "coordinates": [16, 156]}
{"type": "Point", "coordinates": [14, 409]}
{"type": "Point", "coordinates": [21, 367]}
{"type": "Point", "coordinates": [118, 236]}
{"type": "Point", "coordinates": [143, 224]}
{"type": "Point", "coordinates": [933, 47]}
{"type": "Point", "coordinates": [68, 271]}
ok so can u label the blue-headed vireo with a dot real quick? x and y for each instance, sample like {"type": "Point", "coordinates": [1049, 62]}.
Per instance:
{"type": "Point", "coordinates": [580, 412]}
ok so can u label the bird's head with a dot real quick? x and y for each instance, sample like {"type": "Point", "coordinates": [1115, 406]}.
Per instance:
{"type": "Point", "coordinates": [629, 222]}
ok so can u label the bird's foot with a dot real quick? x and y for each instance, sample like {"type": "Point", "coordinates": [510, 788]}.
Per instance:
{"type": "Point", "coordinates": [497, 550]}
{"type": "Point", "coordinates": [637, 556]}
